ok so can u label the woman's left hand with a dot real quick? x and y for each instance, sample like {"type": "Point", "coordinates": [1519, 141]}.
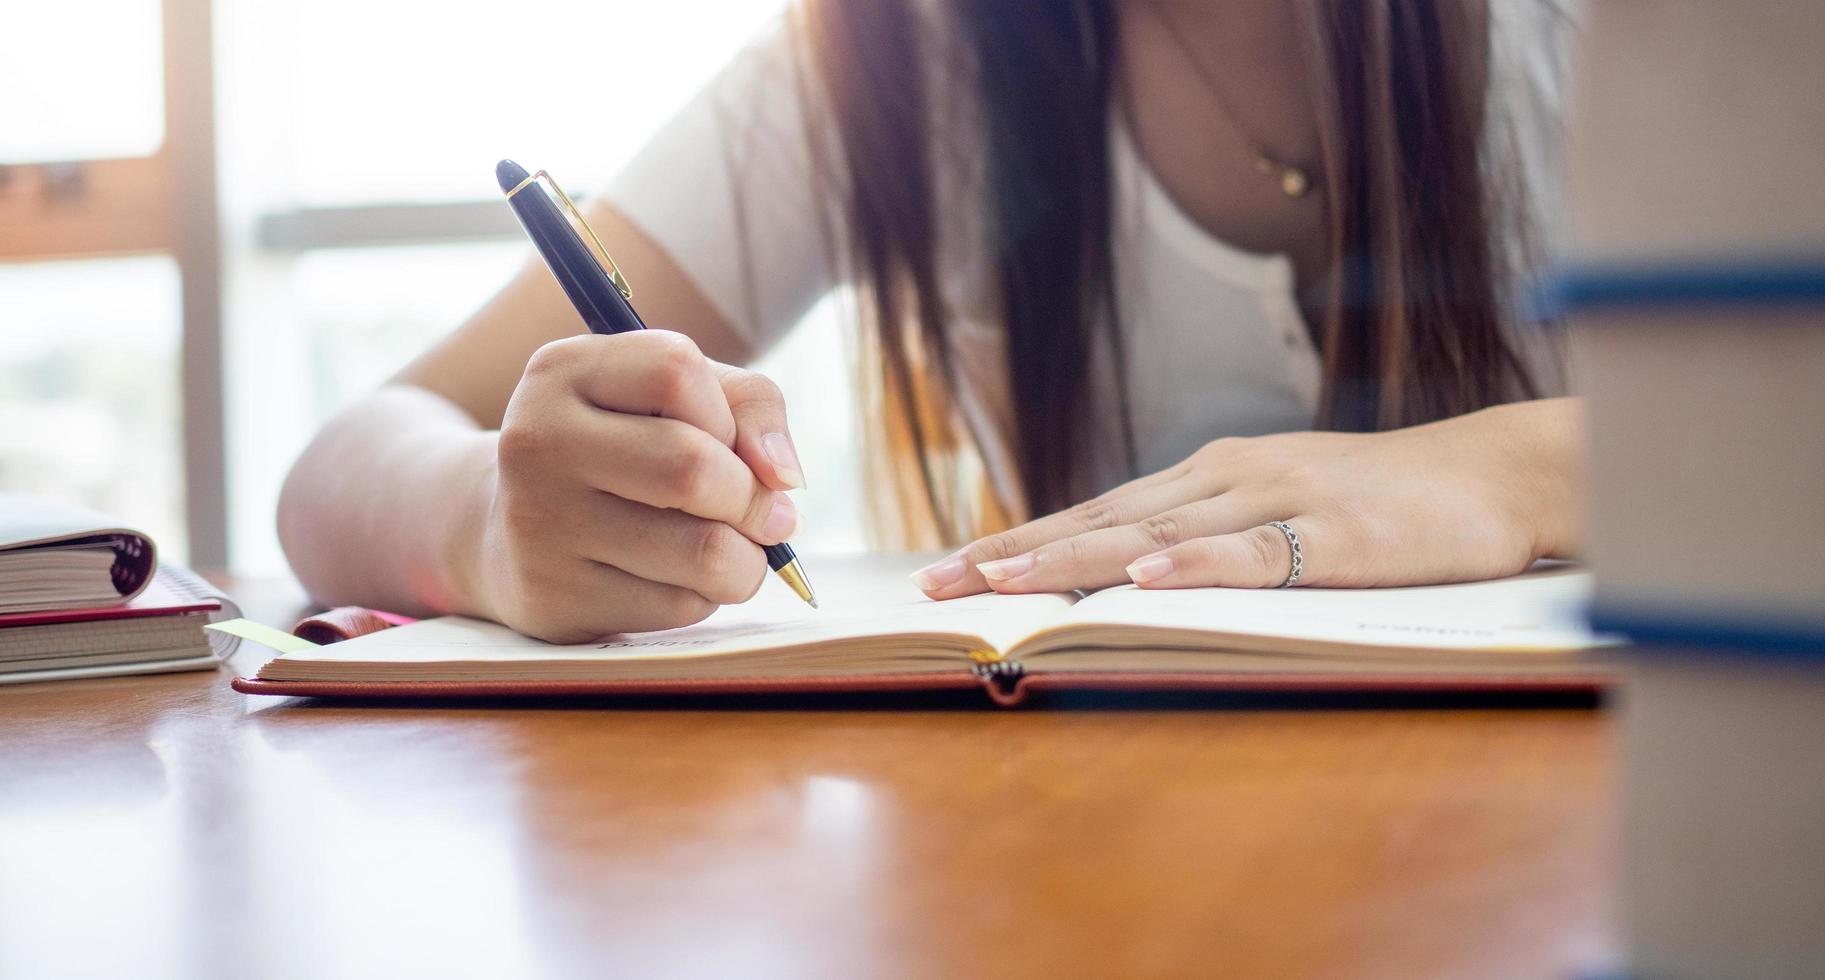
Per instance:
{"type": "Point", "coordinates": [1475, 497]}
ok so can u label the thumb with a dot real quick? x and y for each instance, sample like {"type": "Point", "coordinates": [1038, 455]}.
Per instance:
{"type": "Point", "coordinates": [761, 437]}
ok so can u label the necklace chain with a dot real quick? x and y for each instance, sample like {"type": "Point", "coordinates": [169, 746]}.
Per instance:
{"type": "Point", "coordinates": [1293, 180]}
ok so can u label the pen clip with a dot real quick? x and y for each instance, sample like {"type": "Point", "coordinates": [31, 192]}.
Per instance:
{"type": "Point", "coordinates": [590, 240]}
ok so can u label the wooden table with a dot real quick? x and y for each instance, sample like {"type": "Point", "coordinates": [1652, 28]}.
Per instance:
{"type": "Point", "coordinates": [167, 826]}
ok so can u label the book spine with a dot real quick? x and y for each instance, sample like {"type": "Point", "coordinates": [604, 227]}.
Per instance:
{"type": "Point", "coordinates": [1002, 679]}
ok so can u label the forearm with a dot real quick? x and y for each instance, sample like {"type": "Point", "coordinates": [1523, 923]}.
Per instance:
{"type": "Point", "coordinates": [386, 505]}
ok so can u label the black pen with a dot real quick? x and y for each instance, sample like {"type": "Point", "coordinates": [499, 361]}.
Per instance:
{"type": "Point", "coordinates": [597, 289]}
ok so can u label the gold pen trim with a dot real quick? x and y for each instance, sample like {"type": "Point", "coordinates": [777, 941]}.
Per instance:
{"type": "Point", "coordinates": [522, 185]}
{"type": "Point", "coordinates": [795, 577]}
{"type": "Point", "coordinates": [589, 234]}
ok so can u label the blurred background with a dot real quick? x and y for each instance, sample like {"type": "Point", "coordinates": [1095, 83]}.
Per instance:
{"type": "Point", "coordinates": [222, 220]}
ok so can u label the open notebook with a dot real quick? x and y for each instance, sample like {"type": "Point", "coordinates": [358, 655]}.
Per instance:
{"type": "Point", "coordinates": [875, 632]}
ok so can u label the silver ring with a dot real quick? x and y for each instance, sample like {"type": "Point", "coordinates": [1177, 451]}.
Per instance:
{"type": "Point", "coordinates": [1292, 540]}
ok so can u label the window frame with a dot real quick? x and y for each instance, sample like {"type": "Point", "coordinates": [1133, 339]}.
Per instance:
{"type": "Point", "coordinates": [162, 203]}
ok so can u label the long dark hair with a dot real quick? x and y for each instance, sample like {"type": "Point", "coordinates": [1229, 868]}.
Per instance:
{"type": "Point", "coordinates": [1414, 305]}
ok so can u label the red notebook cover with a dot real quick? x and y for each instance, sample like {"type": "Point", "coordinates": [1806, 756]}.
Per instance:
{"type": "Point", "coordinates": [158, 599]}
{"type": "Point", "coordinates": [1002, 693]}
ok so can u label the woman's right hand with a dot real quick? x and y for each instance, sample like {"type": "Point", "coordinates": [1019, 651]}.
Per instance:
{"type": "Point", "coordinates": [636, 482]}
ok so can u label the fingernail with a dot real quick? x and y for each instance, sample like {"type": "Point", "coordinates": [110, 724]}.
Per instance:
{"type": "Point", "coordinates": [1149, 568]}
{"type": "Point", "coordinates": [780, 453]}
{"type": "Point", "coordinates": [1006, 568]}
{"type": "Point", "coordinates": [783, 522]}
{"type": "Point", "coordinates": [939, 574]}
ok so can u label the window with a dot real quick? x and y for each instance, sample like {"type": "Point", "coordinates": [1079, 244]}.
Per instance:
{"type": "Point", "coordinates": [364, 221]}
{"type": "Point", "coordinates": [85, 79]}
{"type": "Point", "coordinates": [107, 245]}
{"type": "Point", "coordinates": [89, 394]}
{"type": "Point", "coordinates": [222, 222]}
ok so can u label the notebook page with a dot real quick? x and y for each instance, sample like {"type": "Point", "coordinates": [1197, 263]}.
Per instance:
{"type": "Point", "coordinates": [189, 585]}
{"type": "Point", "coordinates": [859, 603]}
{"type": "Point", "coordinates": [1540, 610]}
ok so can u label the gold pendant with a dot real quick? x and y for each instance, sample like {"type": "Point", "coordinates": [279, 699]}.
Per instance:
{"type": "Point", "coordinates": [1293, 182]}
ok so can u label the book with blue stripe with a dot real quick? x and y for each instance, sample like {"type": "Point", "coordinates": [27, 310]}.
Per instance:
{"type": "Point", "coordinates": [1706, 387]}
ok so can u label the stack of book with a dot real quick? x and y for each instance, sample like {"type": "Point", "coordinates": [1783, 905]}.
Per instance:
{"type": "Point", "coordinates": [82, 597]}
{"type": "Point", "coordinates": [1696, 289]}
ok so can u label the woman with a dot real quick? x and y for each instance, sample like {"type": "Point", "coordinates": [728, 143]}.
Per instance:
{"type": "Point", "coordinates": [1105, 250]}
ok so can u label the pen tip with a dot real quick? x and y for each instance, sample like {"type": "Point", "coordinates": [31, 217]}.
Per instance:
{"type": "Point", "coordinates": [813, 601]}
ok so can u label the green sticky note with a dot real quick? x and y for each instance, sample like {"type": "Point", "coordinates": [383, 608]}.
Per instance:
{"type": "Point", "coordinates": [262, 634]}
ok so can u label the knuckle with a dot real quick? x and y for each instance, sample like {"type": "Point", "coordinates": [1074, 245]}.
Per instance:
{"type": "Point", "coordinates": [1096, 515]}
{"type": "Point", "coordinates": [760, 510]}
{"type": "Point", "coordinates": [1297, 474]}
{"type": "Point", "coordinates": [995, 547]}
{"type": "Point", "coordinates": [551, 358]}
{"type": "Point", "coordinates": [1267, 548]}
{"type": "Point", "coordinates": [682, 607]}
{"type": "Point", "coordinates": [716, 546]}
{"type": "Point", "coordinates": [1074, 551]}
{"type": "Point", "coordinates": [750, 386]}
{"type": "Point", "coordinates": [679, 344]}
{"type": "Point", "coordinates": [677, 363]}
{"type": "Point", "coordinates": [1216, 450]}
{"type": "Point", "coordinates": [735, 564]}
{"type": "Point", "coordinates": [687, 474]}
{"type": "Point", "coordinates": [1163, 530]}
{"type": "Point", "coordinates": [524, 442]}
{"type": "Point", "coordinates": [755, 576]}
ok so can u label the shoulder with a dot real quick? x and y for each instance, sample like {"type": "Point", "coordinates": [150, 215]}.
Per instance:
{"type": "Point", "coordinates": [760, 88]}
{"type": "Point", "coordinates": [726, 188]}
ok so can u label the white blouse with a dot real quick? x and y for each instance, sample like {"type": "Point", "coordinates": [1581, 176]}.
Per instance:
{"type": "Point", "coordinates": [1216, 345]}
